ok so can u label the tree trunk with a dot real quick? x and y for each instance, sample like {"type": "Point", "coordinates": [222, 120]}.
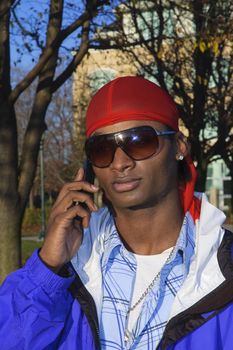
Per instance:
{"type": "Point", "coordinates": [201, 180]}
{"type": "Point", "coordinates": [9, 200]}
{"type": "Point", "coordinates": [231, 209]}
{"type": "Point", "coordinates": [10, 243]}
{"type": "Point", "coordinates": [231, 187]}
{"type": "Point", "coordinates": [201, 175]}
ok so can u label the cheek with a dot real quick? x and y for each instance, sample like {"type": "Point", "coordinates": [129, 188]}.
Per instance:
{"type": "Point", "coordinates": [162, 168]}
{"type": "Point", "coordinates": [169, 170]}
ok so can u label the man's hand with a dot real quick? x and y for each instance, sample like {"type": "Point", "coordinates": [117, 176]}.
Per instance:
{"type": "Point", "coordinates": [67, 219]}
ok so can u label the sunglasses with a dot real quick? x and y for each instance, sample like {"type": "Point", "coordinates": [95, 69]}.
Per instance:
{"type": "Point", "coordinates": [138, 143]}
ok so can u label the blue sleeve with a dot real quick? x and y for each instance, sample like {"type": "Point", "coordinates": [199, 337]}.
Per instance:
{"type": "Point", "coordinates": [34, 304]}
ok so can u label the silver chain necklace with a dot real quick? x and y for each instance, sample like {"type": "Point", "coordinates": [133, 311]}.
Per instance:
{"type": "Point", "coordinates": [127, 334]}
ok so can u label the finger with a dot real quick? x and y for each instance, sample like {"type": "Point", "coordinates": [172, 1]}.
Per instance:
{"type": "Point", "coordinates": [74, 197]}
{"type": "Point", "coordinates": [75, 212]}
{"type": "Point", "coordinates": [69, 201]}
{"type": "Point", "coordinates": [81, 186]}
{"type": "Point", "coordinates": [79, 177]}
{"type": "Point", "coordinates": [75, 186]}
{"type": "Point", "coordinates": [76, 189]}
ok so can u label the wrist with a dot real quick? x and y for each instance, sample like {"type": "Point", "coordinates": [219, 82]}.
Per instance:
{"type": "Point", "coordinates": [47, 262]}
{"type": "Point", "coordinates": [41, 276]}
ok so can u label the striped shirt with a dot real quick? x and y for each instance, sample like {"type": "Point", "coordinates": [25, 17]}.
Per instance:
{"type": "Point", "coordinates": [119, 269]}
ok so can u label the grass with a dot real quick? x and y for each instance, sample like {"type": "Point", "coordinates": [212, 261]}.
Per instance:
{"type": "Point", "coordinates": [28, 247]}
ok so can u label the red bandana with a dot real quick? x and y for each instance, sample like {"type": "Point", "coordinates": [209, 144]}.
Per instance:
{"type": "Point", "coordinates": [130, 98]}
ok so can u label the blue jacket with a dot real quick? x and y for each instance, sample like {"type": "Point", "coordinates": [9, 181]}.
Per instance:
{"type": "Point", "coordinates": [41, 310]}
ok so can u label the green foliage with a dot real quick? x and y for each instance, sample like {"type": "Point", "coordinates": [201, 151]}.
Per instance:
{"type": "Point", "coordinates": [32, 216]}
{"type": "Point", "coordinates": [28, 246]}
{"type": "Point", "coordinates": [229, 219]}
{"type": "Point", "coordinates": [32, 220]}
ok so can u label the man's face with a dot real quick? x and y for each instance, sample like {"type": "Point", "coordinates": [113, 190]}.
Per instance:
{"type": "Point", "coordinates": [143, 183]}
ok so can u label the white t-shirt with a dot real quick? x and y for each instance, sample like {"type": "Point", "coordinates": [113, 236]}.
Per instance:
{"type": "Point", "coordinates": [148, 266]}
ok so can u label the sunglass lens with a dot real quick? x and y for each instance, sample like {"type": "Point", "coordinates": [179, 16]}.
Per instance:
{"type": "Point", "coordinates": [142, 144]}
{"type": "Point", "coordinates": [100, 151]}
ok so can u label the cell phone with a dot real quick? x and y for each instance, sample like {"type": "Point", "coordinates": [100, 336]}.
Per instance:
{"type": "Point", "coordinates": [89, 173]}
{"type": "Point", "coordinates": [89, 176]}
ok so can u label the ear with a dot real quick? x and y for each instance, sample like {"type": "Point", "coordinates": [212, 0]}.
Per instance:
{"type": "Point", "coordinates": [182, 147]}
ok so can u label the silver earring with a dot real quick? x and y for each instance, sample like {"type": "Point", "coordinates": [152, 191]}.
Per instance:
{"type": "Point", "coordinates": [181, 157]}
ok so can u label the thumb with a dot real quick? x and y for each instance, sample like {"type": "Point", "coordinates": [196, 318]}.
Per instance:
{"type": "Point", "coordinates": [80, 175]}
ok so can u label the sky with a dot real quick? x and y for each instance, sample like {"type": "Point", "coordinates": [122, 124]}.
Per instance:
{"type": "Point", "coordinates": [33, 16]}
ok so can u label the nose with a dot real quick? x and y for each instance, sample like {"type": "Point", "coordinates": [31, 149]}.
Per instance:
{"type": "Point", "coordinates": [121, 161]}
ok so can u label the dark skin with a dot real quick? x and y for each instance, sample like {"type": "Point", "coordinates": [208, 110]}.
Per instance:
{"type": "Point", "coordinates": [144, 196]}
{"type": "Point", "coordinates": [152, 208]}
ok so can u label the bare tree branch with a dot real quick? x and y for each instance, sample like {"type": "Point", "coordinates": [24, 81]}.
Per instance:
{"type": "Point", "coordinates": [33, 35]}
{"type": "Point", "coordinates": [76, 60]}
{"type": "Point", "coordinates": [46, 55]}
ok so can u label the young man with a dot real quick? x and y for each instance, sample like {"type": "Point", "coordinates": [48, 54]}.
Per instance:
{"type": "Point", "coordinates": [152, 269]}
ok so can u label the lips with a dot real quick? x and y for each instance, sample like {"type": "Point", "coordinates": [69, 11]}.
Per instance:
{"type": "Point", "coordinates": [125, 184]}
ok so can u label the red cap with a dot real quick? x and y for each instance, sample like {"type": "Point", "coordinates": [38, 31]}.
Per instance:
{"type": "Point", "coordinates": [130, 98]}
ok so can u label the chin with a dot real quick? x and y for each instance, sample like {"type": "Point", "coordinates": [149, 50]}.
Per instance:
{"type": "Point", "coordinates": [129, 202]}
{"type": "Point", "coordinates": [137, 201]}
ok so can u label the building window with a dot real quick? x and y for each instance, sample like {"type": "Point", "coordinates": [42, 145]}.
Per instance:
{"type": "Point", "coordinates": [100, 77]}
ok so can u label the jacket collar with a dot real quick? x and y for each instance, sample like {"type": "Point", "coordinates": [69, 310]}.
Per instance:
{"type": "Point", "coordinates": [204, 273]}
